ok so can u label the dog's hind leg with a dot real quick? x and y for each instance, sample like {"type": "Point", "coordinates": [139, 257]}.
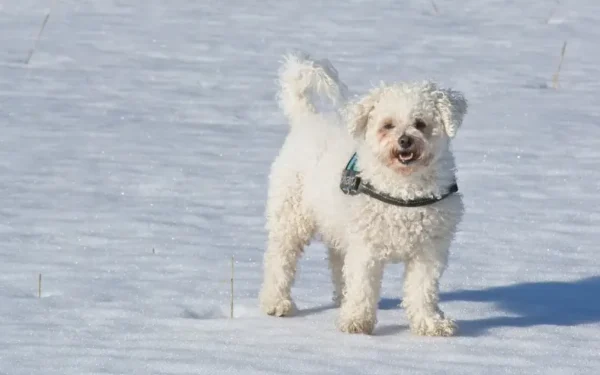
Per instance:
{"type": "Point", "coordinates": [290, 228]}
{"type": "Point", "coordinates": [336, 264]}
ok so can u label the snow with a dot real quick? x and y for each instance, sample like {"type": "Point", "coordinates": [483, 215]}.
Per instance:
{"type": "Point", "coordinates": [134, 155]}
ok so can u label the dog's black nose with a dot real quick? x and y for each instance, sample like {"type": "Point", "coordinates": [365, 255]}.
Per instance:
{"type": "Point", "coordinates": [405, 141]}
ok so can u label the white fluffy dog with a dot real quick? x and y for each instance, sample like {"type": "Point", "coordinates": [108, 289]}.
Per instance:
{"type": "Point", "coordinates": [394, 202]}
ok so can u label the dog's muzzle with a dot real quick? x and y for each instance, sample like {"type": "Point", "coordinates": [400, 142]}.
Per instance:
{"type": "Point", "coordinates": [407, 152]}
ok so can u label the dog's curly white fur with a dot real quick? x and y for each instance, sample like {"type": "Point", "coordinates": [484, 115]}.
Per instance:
{"type": "Point", "coordinates": [363, 234]}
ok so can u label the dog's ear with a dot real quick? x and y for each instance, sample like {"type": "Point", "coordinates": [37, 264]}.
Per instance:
{"type": "Point", "coordinates": [452, 107]}
{"type": "Point", "coordinates": [357, 113]}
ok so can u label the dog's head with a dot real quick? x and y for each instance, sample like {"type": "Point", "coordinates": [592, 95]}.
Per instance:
{"type": "Point", "coordinates": [407, 126]}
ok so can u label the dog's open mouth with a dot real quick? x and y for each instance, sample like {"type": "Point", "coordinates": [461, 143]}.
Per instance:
{"type": "Point", "coordinates": [406, 157]}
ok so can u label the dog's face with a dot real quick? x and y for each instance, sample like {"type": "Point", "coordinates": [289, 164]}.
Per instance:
{"type": "Point", "coordinates": [407, 126]}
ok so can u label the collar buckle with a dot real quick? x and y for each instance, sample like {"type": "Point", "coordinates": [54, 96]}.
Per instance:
{"type": "Point", "coordinates": [350, 182]}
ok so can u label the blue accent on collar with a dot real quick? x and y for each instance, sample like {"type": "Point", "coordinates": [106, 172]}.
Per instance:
{"type": "Point", "coordinates": [351, 166]}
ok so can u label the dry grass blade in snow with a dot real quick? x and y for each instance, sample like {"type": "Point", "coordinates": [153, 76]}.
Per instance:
{"type": "Point", "coordinates": [435, 8]}
{"type": "Point", "coordinates": [231, 302]}
{"type": "Point", "coordinates": [39, 35]}
{"type": "Point", "coordinates": [555, 77]}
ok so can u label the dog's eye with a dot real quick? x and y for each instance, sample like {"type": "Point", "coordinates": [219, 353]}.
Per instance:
{"type": "Point", "coordinates": [388, 126]}
{"type": "Point", "coordinates": [420, 124]}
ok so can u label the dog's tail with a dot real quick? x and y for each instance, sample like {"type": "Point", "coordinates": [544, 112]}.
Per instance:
{"type": "Point", "coordinates": [302, 80]}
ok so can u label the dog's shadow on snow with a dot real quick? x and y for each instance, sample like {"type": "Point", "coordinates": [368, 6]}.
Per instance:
{"type": "Point", "coordinates": [316, 310]}
{"type": "Point", "coordinates": [530, 304]}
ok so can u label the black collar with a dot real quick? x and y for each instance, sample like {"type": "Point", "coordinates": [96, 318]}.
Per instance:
{"type": "Point", "coordinates": [352, 184]}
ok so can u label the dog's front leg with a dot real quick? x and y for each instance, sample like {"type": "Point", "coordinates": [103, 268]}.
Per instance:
{"type": "Point", "coordinates": [362, 276]}
{"type": "Point", "coordinates": [421, 296]}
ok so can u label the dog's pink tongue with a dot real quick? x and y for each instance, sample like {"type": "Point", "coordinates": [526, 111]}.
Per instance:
{"type": "Point", "coordinates": [406, 156]}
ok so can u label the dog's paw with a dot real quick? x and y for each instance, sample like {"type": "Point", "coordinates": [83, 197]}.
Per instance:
{"type": "Point", "coordinates": [281, 307]}
{"type": "Point", "coordinates": [435, 326]}
{"type": "Point", "coordinates": [364, 326]}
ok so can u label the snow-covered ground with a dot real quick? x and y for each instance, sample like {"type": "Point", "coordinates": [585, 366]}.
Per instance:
{"type": "Point", "coordinates": [134, 154]}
